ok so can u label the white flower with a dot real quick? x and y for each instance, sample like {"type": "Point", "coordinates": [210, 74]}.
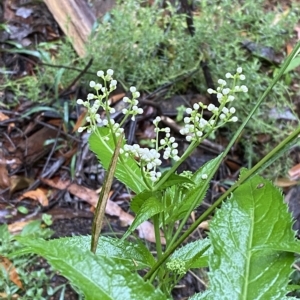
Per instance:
{"type": "Point", "coordinates": [211, 91]}
{"type": "Point", "coordinates": [204, 176]}
{"type": "Point", "coordinates": [225, 110]}
{"type": "Point", "coordinates": [230, 98]}
{"type": "Point", "coordinates": [228, 75]}
{"type": "Point", "coordinates": [112, 110]}
{"type": "Point", "coordinates": [137, 94]}
{"type": "Point", "coordinates": [90, 96]}
{"type": "Point", "coordinates": [221, 82]}
{"type": "Point", "coordinates": [100, 73]}
{"type": "Point", "coordinates": [234, 119]}
{"type": "Point", "coordinates": [188, 110]}
{"type": "Point", "coordinates": [140, 111]}
{"type": "Point", "coordinates": [186, 120]}
{"type": "Point", "coordinates": [232, 110]}
{"type": "Point", "coordinates": [80, 129]}
{"type": "Point", "coordinates": [79, 101]}
{"type": "Point", "coordinates": [225, 91]}
{"type": "Point", "coordinates": [239, 70]}
{"type": "Point", "coordinates": [222, 116]}
{"type": "Point", "coordinates": [132, 89]}
{"type": "Point", "coordinates": [219, 96]}
{"type": "Point", "coordinates": [196, 106]}
{"type": "Point", "coordinates": [126, 99]}
{"type": "Point", "coordinates": [242, 77]}
{"type": "Point", "coordinates": [92, 84]}
{"type": "Point", "coordinates": [211, 107]}
{"type": "Point", "coordinates": [188, 138]}
{"type": "Point", "coordinates": [98, 86]}
{"type": "Point", "coordinates": [244, 88]}
{"type": "Point", "coordinates": [110, 72]}
{"type": "Point", "coordinates": [156, 120]}
{"type": "Point", "coordinates": [113, 83]}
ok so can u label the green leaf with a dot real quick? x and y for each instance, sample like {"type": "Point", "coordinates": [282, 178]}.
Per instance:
{"type": "Point", "coordinates": [195, 194]}
{"type": "Point", "coordinates": [149, 208]}
{"type": "Point", "coordinates": [175, 179]}
{"type": "Point", "coordinates": [244, 263]}
{"type": "Point", "coordinates": [128, 172]}
{"type": "Point", "coordinates": [137, 201]}
{"type": "Point", "coordinates": [98, 277]}
{"type": "Point", "coordinates": [194, 254]}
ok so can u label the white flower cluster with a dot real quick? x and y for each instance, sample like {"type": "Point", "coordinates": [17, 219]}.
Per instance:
{"type": "Point", "coordinates": [167, 144]}
{"type": "Point", "coordinates": [196, 126]}
{"type": "Point", "coordinates": [132, 109]}
{"type": "Point", "coordinates": [100, 100]}
{"type": "Point", "coordinates": [147, 158]}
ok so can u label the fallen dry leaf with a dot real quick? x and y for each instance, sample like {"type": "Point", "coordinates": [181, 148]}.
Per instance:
{"type": "Point", "coordinates": [146, 229]}
{"type": "Point", "coordinates": [39, 195]}
{"type": "Point", "coordinates": [294, 172]}
{"type": "Point", "coordinates": [11, 270]}
{"type": "Point", "coordinates": [285, 182]}
{"type": "Point", "coordinates": [17, 227]}
{"type": "Point", "coordinates": [4, 178]}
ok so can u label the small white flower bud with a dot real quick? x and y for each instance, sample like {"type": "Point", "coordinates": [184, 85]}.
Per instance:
{"type": "Point", "coordinates": [244, 88]}
{"type": "Point", "coordinates": [126, 99]}
{"type": "Point", "coordinates": [239, 70]}
{"type": "Point", "coordinates": [140, 111]}
{"type": "Point", "coordinates": [225, 110]}
{"type": "Point", "coordinates": [132, 89]}
{"type": "Point", "coordinates": [211, 107]}
{"type": "Point", "coordinates": [196, 106]}
{"type": "Point", "coordinates": [204, 176]}
{"type": "Point", "coordinates": [90, 96]}
{"type": "Point", "coordinates": [242, 77]}
{"type": "Point", "coordinates": [92, 84]}
{"type": "Point", "coordinates": [188, 138]}
{"type": "Point", "coordinates": [234, 119]}
{"type": "Point", "coordinates": [110, 72]}
{"type": "Point", "coordinates": [112, 110]}
{"type": "Point", "coordinates": [222, 116]}
{"type": "Point", "coordinates": [113, 83]}
{"type": "Point", "coordinates": [100, 73]}
{"type": "Point", "coordinates": [232, 110]}
{"type": "Point", "coordinates": [225, 91]}
{"type": "Point", "coordinates": [188, 110]}
{"type": "Point", "coordinates": [79, 101]}
{"type": "Point", "coordinates": [230, 98]}
{"type": "Point", "coordinates": [98, 86]}
{"type": "Point", "coordinates": [228, 75]}
{"type": "Point", "coordinates": [80, 129]}
{"type": "Point", "coordinates": [211, 91]}
{"type": "Point", "coordinates": [186, 120]}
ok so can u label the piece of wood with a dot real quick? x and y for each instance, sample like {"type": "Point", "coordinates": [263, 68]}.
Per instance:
{"type": "Point", "coordinates": [75, 18]}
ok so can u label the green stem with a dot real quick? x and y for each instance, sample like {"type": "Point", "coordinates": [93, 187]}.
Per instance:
{"type": "Point", "coordinates": [244, 177]}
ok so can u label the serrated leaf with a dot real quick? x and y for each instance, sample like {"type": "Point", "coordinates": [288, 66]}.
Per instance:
{"type": "Point", "coordinates": [98, 277]}
{"type": "Point", "coordinates": [175, 179]}
{"type": "Point", "coordinates": [195, 194]}
{"type": "Point", "coordinates": [137, 201]}
{"type": "Point", "coordinates": [194, 254]}
{"type": "Point", "coordinates": [128, 173]}
{"type": "Point", "coordinates": [151, 207]}
{"type": "Point", "coordinates": [254, 216]}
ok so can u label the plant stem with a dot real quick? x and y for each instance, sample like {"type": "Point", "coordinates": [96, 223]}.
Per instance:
{"type": "Point", "coordinates": [245, 176]}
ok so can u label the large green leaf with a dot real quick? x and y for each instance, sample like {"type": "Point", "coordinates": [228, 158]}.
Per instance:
{"type": "Point", "coordinates": [98, 277]}
{"type": "Point", "coordinates": [245, 262]}
{"type": "Point", "coordinates": [128, 172]}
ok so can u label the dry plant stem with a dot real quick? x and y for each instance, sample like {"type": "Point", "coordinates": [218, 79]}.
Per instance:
{"type": "Point", "coordinates": [245, 176]}
{"type": "Point", "coordinates": [103, 197]}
